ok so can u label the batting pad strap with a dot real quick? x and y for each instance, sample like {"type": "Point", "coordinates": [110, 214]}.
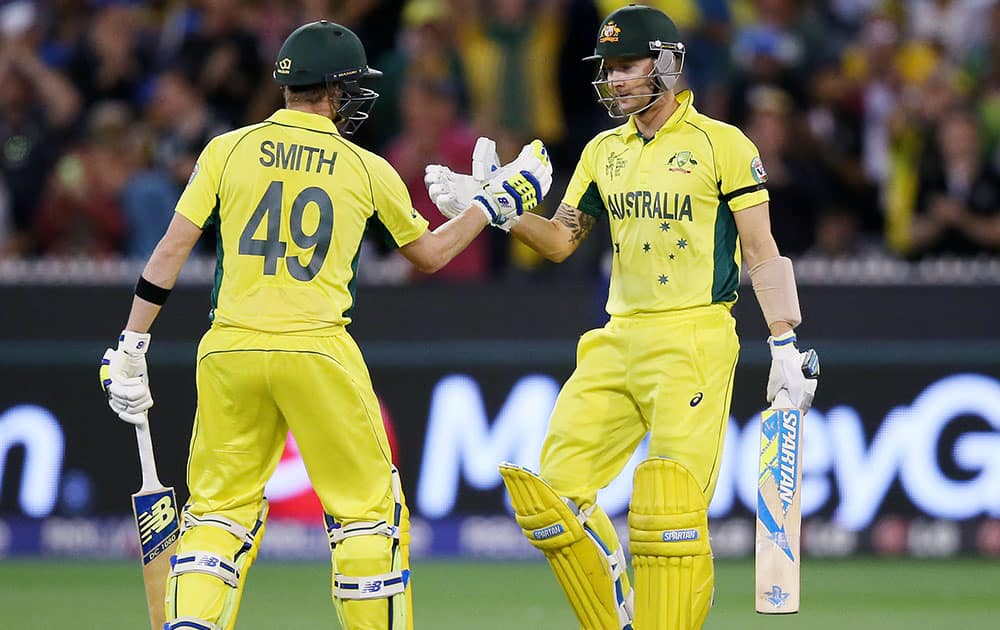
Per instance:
{"type": "Point", "coordinates": [774, 285]}
{"type": "Point", "coordinates": [190, 623]}
{"type": "Point", "coordinates": [208, 563]}
{"type": "Point", "coordinates": [338, 533]}
{"type": "Point", "coordinates": [213, 520]}
{"type": "Point", "coordinates": [371, 587]}
{"type": "Point", "coordinates": [616, 562]}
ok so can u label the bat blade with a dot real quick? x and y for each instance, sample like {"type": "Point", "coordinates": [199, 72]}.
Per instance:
{"type": "Point", "coordinates": [779, 512]}
{"type": "Point", "coordinates": [158, 526]}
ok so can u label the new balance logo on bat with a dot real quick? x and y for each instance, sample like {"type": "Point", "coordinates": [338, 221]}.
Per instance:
{"type": "Point", "coordinates": [157, 518]}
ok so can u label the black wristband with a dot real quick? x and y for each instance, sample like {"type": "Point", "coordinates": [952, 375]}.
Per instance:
{"type": "Point", "coordinates": [150, 292]}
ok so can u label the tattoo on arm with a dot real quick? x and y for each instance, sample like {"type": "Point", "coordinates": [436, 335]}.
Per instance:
{"type": "Point", "coordinates": [578, 222]}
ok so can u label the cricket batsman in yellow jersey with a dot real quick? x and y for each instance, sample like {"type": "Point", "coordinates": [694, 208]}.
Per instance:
{"type": "Point", "coordinates": [291, 199]}
{"type": "Point", "coordinates": [685, 197]}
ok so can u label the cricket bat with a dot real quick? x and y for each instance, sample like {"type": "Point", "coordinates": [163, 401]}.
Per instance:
{"type": "Point", "coordinates": [158, 526]}
{"type": "Point", "coordinates": [779, 503]}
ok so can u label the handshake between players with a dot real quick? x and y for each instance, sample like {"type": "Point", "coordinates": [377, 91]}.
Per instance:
{"type": "Point", "coordinates": [503, 193]}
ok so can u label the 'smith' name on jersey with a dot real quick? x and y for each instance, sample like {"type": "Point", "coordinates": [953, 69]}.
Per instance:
{"type": "Point", "coordinates": [296, 157]}
{"type": "Point", "coordinates": [789, 460]}
{"type": "Point", "coordinates": [646, 204]}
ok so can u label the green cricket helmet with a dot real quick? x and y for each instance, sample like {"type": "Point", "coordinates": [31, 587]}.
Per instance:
{"type": "Point", "coordinates": [638, 31]}
{"type": "Point", "coordinates": [324, 53]}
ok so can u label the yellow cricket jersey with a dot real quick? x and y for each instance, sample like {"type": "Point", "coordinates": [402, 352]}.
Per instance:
{"type": "Point", "coordinates": [291, 200]}
{"type": "Point", "coordinates": [670, 201]}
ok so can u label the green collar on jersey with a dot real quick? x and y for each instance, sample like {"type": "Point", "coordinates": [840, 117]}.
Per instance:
{"type": "Point", "coordinates": [306, 120]}
{"type": "Point", "coordinates": [685, 100]}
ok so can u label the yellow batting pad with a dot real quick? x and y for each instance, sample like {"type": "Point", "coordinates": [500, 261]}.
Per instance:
{"type": "Point", "coordinates": [668, 527]}
{"type": "Point", "coordinates": [204, 595]}
{"type": "Point", "coordinates": [590, 570]}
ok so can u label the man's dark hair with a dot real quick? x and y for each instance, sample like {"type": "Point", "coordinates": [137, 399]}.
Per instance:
{"type": "Point", "coordinates": [313, 93]}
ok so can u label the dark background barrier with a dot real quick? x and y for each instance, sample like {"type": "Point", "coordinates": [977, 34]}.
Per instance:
{"type": "Point", "coordinates": [902, 448]}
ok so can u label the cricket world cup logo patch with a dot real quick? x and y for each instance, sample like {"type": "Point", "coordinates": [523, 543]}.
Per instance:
{"type": "Point", "coordinates": [156, 518]}
{"type": "Point", "coordinates": [615, 165]}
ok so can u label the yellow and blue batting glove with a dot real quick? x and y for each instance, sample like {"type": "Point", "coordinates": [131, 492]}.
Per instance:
{"type": "Point", "coordinates": [516, 188]}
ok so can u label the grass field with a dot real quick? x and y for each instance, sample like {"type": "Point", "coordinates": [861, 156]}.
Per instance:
{"type": "Point", "coordinates": [851, 595]}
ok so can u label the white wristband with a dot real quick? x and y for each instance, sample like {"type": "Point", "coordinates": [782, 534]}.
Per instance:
{"type": "Point", "coordinates": [132, 342]}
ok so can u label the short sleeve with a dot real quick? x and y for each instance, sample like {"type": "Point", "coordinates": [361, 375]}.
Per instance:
{"type": "Point", "coordinates": [201, 195]}
{"type": "Point", "coordinates": [393, 207]}
{"type": "Point", "coordinates": [582, 192]}
{"type": "Point", "coordinates": [741, 171]}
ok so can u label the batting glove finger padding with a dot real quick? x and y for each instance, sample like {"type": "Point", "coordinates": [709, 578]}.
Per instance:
{"type": "Point", "coordinates": [485, 160]}
{"type": "Point", "coordinates": [451, 192]}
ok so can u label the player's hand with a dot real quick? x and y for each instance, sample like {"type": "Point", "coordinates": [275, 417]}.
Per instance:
{"type": "Point", "coordinates": [793, 371]}
{"type": "Point", "coordinates": [123, 377]}
{"type": "Point", "coordinates": [517, 187]}
{"type": "Point", "coordinates": [452, 192]}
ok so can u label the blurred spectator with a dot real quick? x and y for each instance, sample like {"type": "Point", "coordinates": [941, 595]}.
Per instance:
{"type": "Point", "coordinates": [798, 190]}
{"type": "Point", "coordinates": [220, 56]}
{"type": "Point", "coordinates": [108, 63]}
{"type": "Point", "coordinates": [80, 214]}
{"type": "Point", "coordinates": [433, 134]}
{"type": "Point", "coordinates": [580, 109]}
{"type": "Point", "coordinates": [914, 149]}
{"type": "Point", "coordinates": [982, 73]}
{"type": "Point", "coordinates": [778, 48]}
{"type": "Point", "coordinates": [958, 202]}
{"type": "Point", "coordinates": [834, 126]}
{"type": "Point", "coordinates": [954, 26]}
{"type": "Point", "coordinates": [510, 48]}
{"type": "Point", "coordinates": [180, 125]}
{"type": "Point", "coordinates": [37, 108]}
{"type": "Point", "coordinates": [426, 49]}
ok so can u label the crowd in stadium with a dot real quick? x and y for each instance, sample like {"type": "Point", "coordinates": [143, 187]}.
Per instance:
{"type": "Point", "coordinates": [878, 122]}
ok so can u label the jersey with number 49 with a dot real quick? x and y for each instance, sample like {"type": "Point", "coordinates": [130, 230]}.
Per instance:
{"type": "Point", "coordinates": [670, 201]}
{"type": "Point", "coordinates": [291, 200]}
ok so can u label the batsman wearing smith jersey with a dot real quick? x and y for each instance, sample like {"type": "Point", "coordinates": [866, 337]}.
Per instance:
{"type": "Point", "coordinates": [686, 200]}
{"type": "Point", "coordinates": [291, 199]}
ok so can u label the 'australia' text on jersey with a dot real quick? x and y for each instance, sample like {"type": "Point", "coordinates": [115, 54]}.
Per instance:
{"type": "Point", "coordinates": [645, 204]}
{"type": "Point", "coordinates": [296, 157]}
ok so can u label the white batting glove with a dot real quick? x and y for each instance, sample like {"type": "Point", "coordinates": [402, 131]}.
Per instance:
{"type": "Point", "coordinates": [795, 372]}
{"type": "Point", "coordinates": [124, 377]}
{"type": "Point", "coordinates": [452, 192]}
{"type": "Point", "coordinates": [517, 187]}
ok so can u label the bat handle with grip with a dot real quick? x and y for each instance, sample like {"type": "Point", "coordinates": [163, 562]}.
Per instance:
{"type": "Point", "coordinates": [782, 400]}
{"type": "Point", "coordinates": [150, 480]}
